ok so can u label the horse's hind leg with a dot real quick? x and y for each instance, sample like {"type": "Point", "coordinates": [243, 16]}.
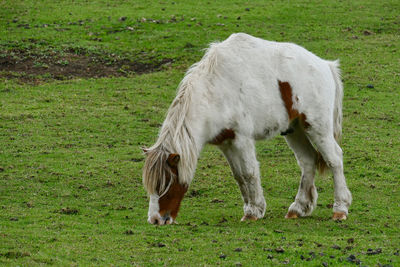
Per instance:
{"type": "Point", "coordinates": [241, 156]}
{"type": "Point", "coordinates": [332, 154]}
{"type": "Point", "coordinates": [306, 198]}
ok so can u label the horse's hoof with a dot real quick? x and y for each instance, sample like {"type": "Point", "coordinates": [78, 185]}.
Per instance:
{"type": "Point", "coordinates": [339, 216]}
{"type": "Point", "coordinates": [248, 218]}
{"type": "Point", "coordinates": [291, 215]}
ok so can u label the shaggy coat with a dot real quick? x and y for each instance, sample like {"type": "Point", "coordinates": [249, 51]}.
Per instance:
{"type": "Point", "coordinates": [242, 90]}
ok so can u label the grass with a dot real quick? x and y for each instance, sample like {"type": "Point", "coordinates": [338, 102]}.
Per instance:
{"type": "Point", "coordinates": [70, 158]}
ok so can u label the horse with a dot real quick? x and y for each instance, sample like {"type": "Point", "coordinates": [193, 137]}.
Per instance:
{"type": "Point", "coordinates": [242, 90]}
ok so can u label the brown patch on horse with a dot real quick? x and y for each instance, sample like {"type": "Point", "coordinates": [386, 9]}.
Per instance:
{"type": "Point", "coordinates": [170, 202]}
{"type": "Point", "coordinates": [173, 160]}
{"type": "Point", "coordinates": [292, 215]}
{"type": "Point", "coordinates": [225, 134]}
{"type": "Point", "coordinates": [287, 97]}
{"type": "Point", "coordinates": [248, 218]}
{"type": "Point", "coordinates": [339, 216]}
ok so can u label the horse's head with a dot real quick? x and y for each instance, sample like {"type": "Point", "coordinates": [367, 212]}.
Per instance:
{"type": "Point", "coordinates": [161, 180]}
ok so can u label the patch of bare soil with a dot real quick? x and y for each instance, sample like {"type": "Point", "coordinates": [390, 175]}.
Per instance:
{"type": "Point", "coordinates": [30, 66]}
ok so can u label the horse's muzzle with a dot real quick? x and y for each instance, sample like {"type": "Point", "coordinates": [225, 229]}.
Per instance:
{"type": "Point", "coordinates": [156, 219]}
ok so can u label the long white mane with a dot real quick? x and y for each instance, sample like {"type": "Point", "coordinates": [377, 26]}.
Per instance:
{"type": "Point", "coordinates": [176, 134]}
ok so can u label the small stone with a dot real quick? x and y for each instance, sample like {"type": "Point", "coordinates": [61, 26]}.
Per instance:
{"type": "Point", "coordinates": [367, 32]}
{"type": "Point", "coordinates": [270, 257]}
{"type": "Point", "coordinates": [83, 187]}
{"type": "Point", "coordinates": [325, 264]}
{"type": "Point", "coordinates": [247, 9]}
{"type": "Point", "coordinates": [279, 250]}
{"type": "Point", "coordinates": [223, 220]}
{"type": "Point", "coordinates": [278, 231]}
{"type": "Point", "coordinates": [188, 45]}
{"type": "Point", "coordinates": [122, 18]}
{"type": "Point", "coordinates": [69, 211]}
{"type": "Point", "coordinates": [336, 247]}
{"type": "Point", "coordinates": [222, 256]}
{"type": "Point", "coordinates": [351, 258]}
{"type": "Point", "coordinates": [129, 232]}
{"type": "Point", "coordinates": [374, 252]}
{"type": "Point", "coordinates": [238, 264]}
{"type": "Point", "coordinates": [370, 86]}
{"type": "Point", "coordinates": [160, 245]}
{"type": "Point", "coordinates": [350, 240]}
{"type": "Point", "coordinates": [14, 219]}
{"type": "Point", "coordinates": [238, 250]}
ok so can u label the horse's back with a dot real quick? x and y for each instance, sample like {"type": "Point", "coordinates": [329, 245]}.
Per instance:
{"type": "Point", "coordinates": [243, 76]}
{"type": "Point", "coordinates": [261, 64]}
{"type": "Point", "coordinates": [286, 61]}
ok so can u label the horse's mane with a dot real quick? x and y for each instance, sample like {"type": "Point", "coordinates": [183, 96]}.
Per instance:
{"type": "Point", "coordinates": [176, 134]}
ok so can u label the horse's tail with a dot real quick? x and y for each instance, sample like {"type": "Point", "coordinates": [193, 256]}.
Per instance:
{"type": "Point", "coordinates": [337, 113]}
{"type": "Point", "coordinates": [337, 110]}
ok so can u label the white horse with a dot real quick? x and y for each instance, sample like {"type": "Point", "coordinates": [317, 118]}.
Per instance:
{"type": "Point", "coordinates": [242, 90]}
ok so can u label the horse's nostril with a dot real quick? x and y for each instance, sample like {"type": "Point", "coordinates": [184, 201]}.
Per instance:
{"type": "Point", "coordinates": [155, 221]}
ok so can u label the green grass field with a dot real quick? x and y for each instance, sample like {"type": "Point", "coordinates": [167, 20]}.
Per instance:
{"type": "Point", "coordinates": [85, 84]}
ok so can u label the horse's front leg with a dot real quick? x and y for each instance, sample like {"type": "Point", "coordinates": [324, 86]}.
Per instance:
{"type": "Point", "coordinates": [241, 156]}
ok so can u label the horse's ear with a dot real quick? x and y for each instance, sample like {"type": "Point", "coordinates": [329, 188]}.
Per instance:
{"type": "Point", "coordinates": [173, 160]}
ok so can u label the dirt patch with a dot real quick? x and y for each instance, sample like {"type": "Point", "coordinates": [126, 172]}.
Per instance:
{"type": "Point", "coordinates": [35, 66]}
{"type": "Point", "coordinates": [68, 211]}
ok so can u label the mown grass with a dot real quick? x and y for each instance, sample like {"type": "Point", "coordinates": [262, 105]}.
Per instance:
{"type": "Point", "coordinates": [70, 161]}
